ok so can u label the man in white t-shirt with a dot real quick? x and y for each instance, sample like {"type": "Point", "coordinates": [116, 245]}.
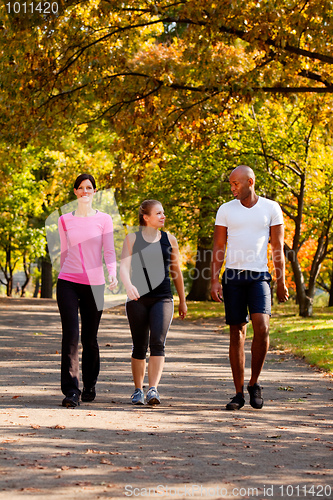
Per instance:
{"type": "Point", "coordinates": [243, 229]}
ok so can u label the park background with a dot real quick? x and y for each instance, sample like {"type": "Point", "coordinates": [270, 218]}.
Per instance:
{"type": "Point", "coordinates": [162, 100]}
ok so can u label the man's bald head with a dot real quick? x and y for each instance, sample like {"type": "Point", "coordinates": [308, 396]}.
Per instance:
{"type": "Point", "coordinates": [244, 171]}
{"type": "Point", "coordinates": [242, 181]}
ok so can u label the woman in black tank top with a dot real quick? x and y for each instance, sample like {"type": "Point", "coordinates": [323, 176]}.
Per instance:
{"type": "Point", "coordinates": [147, 258]}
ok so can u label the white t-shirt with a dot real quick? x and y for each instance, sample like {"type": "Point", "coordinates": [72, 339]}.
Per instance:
{"type": "Point", "coordinates": [248, 232]}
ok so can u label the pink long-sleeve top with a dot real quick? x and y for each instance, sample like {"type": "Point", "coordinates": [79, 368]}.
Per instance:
{"type": "Point", "coordinates": [83, 241]}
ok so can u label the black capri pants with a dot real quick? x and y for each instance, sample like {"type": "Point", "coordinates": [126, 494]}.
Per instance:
{"type": "Point", "coordinates": [149, 315]}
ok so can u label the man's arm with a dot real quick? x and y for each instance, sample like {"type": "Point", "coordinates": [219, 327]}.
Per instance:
{"type": "Point", "coordinates": [277, 243]}
{"type": "Point", "coordinates": [220, 242]}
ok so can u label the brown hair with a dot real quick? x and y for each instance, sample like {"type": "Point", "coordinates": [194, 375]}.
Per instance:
{"type": "Point", "coordinates": [145, 209]}
{"type": "Point", "coordinates": [82, 178]}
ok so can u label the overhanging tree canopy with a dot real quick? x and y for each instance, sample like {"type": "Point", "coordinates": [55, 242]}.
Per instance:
{"type": "Point", "coordinates": [154, 63]}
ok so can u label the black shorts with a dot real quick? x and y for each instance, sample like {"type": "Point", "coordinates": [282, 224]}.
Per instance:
{"type": "Point", "coordinates": [245, 292]}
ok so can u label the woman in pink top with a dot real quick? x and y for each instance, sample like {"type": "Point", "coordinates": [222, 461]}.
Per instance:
{"type": "Point", "coordinates": [85, 235]}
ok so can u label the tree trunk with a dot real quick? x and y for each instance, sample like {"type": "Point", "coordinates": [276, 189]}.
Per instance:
{"type": "Point", "coordinates": [200, 289]}
{"type": "Point", "coordinates": [9, 286]}
{"type": "Point", "coordinates": [330, 300]}
{"type": "Point", "coordinates": [304, 299]}
{"type": "Point", "coordinates": [36, 290]}
{"type": "Point", "coordinates": [27, 269]}
{"type": "Point", "coordinates": [46, 288]}
{"type": "Point", "coordinates": [8, 272]}
{"type": "Point", "coordinates": [306, 307]}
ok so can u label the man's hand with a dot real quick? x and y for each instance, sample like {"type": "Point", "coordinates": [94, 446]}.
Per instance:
{"type": "Point", "coordinates": [216, 291]}
{"type": "Point", "coordinates": [282, 292]}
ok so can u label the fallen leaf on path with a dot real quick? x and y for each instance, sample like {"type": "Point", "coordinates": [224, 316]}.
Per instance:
{"type": "Point", "coordinates": [30, 489]}
{"type": "Point", "coordinates": [105, 461]}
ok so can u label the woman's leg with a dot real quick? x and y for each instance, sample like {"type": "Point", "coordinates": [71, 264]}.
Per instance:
{"type": "Point", "coordinates": [138, 372]}
{"type": "Point", "coordinates": [155, 370]}
{"type": "Point", "coordinates": [160, 317]}
{"type": "Point", "coordinates": [138, 317]}
{"type": "Point", "coordinates": [90, 319]}
{"type": "Point", "coordinates": [68, 303]}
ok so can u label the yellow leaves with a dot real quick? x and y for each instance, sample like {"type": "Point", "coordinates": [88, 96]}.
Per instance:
{"type": "Point", "coordinates": [157, 56]}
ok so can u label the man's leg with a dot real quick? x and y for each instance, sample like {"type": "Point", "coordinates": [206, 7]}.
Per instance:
{"type": "Point", "coordinates": [237, 362]}
{"type": "Point", "coordinates": [259, 300]}
{"type": "Point", "coordinates": [260, 344]}
{"type": "Point", "coordinates": [237, 355]}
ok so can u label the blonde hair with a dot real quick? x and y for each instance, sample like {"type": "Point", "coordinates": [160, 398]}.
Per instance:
{"type": "Point", "coordinates": [145, 209]}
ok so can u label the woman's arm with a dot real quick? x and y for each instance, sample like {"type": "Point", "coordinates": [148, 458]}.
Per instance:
{"type": "Point", "coordinates": [177, 276]}
{"type": "Point", "coordinates": [63, 240]}
{"type": "Point", "coordinates": [109, 252]}
{"type": "Point", "coordinates": [125, 267]}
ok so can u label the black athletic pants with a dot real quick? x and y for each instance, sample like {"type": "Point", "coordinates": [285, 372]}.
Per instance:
{"type": "Point", "coordinates": [71, 298]}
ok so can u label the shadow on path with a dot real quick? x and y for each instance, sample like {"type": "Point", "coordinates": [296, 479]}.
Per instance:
{"type": "Point", "coordinates": [189, 446]}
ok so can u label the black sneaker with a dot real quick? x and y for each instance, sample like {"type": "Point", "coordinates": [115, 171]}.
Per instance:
{"type": "Point", "coordinates": [71, 400]}
{"type": "Point", "coordinates": [256, 400]}
{"type": "Point", "coordinates": [236, 403]}
{"type": "Point", "coordinates": [88, 395]}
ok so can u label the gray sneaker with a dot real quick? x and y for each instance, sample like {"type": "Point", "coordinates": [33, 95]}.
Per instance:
{"type": "Point", "coordinates": [153, 397]}
{"type": "Point", "coordinates": [138, 397]}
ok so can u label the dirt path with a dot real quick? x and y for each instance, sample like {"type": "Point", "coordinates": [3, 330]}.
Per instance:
{"type": "Point", "coordinates": [188, 447]}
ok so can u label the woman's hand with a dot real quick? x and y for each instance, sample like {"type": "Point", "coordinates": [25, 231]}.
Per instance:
{"type": "Point", "coordinates": [113, 282]}
{"type": "Point", "coordinates": [182, 308]}
{"type": "Point", "coordinates": [132, 292]}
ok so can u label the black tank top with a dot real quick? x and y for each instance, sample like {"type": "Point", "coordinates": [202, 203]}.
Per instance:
{"type": "Point", "coordinates": [150, 266]}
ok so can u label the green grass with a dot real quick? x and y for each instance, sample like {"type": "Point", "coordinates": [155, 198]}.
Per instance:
{"type": "Point", "coordinates": [203, 310]}
{"type": "Point", "coordinates": [309, 338]}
